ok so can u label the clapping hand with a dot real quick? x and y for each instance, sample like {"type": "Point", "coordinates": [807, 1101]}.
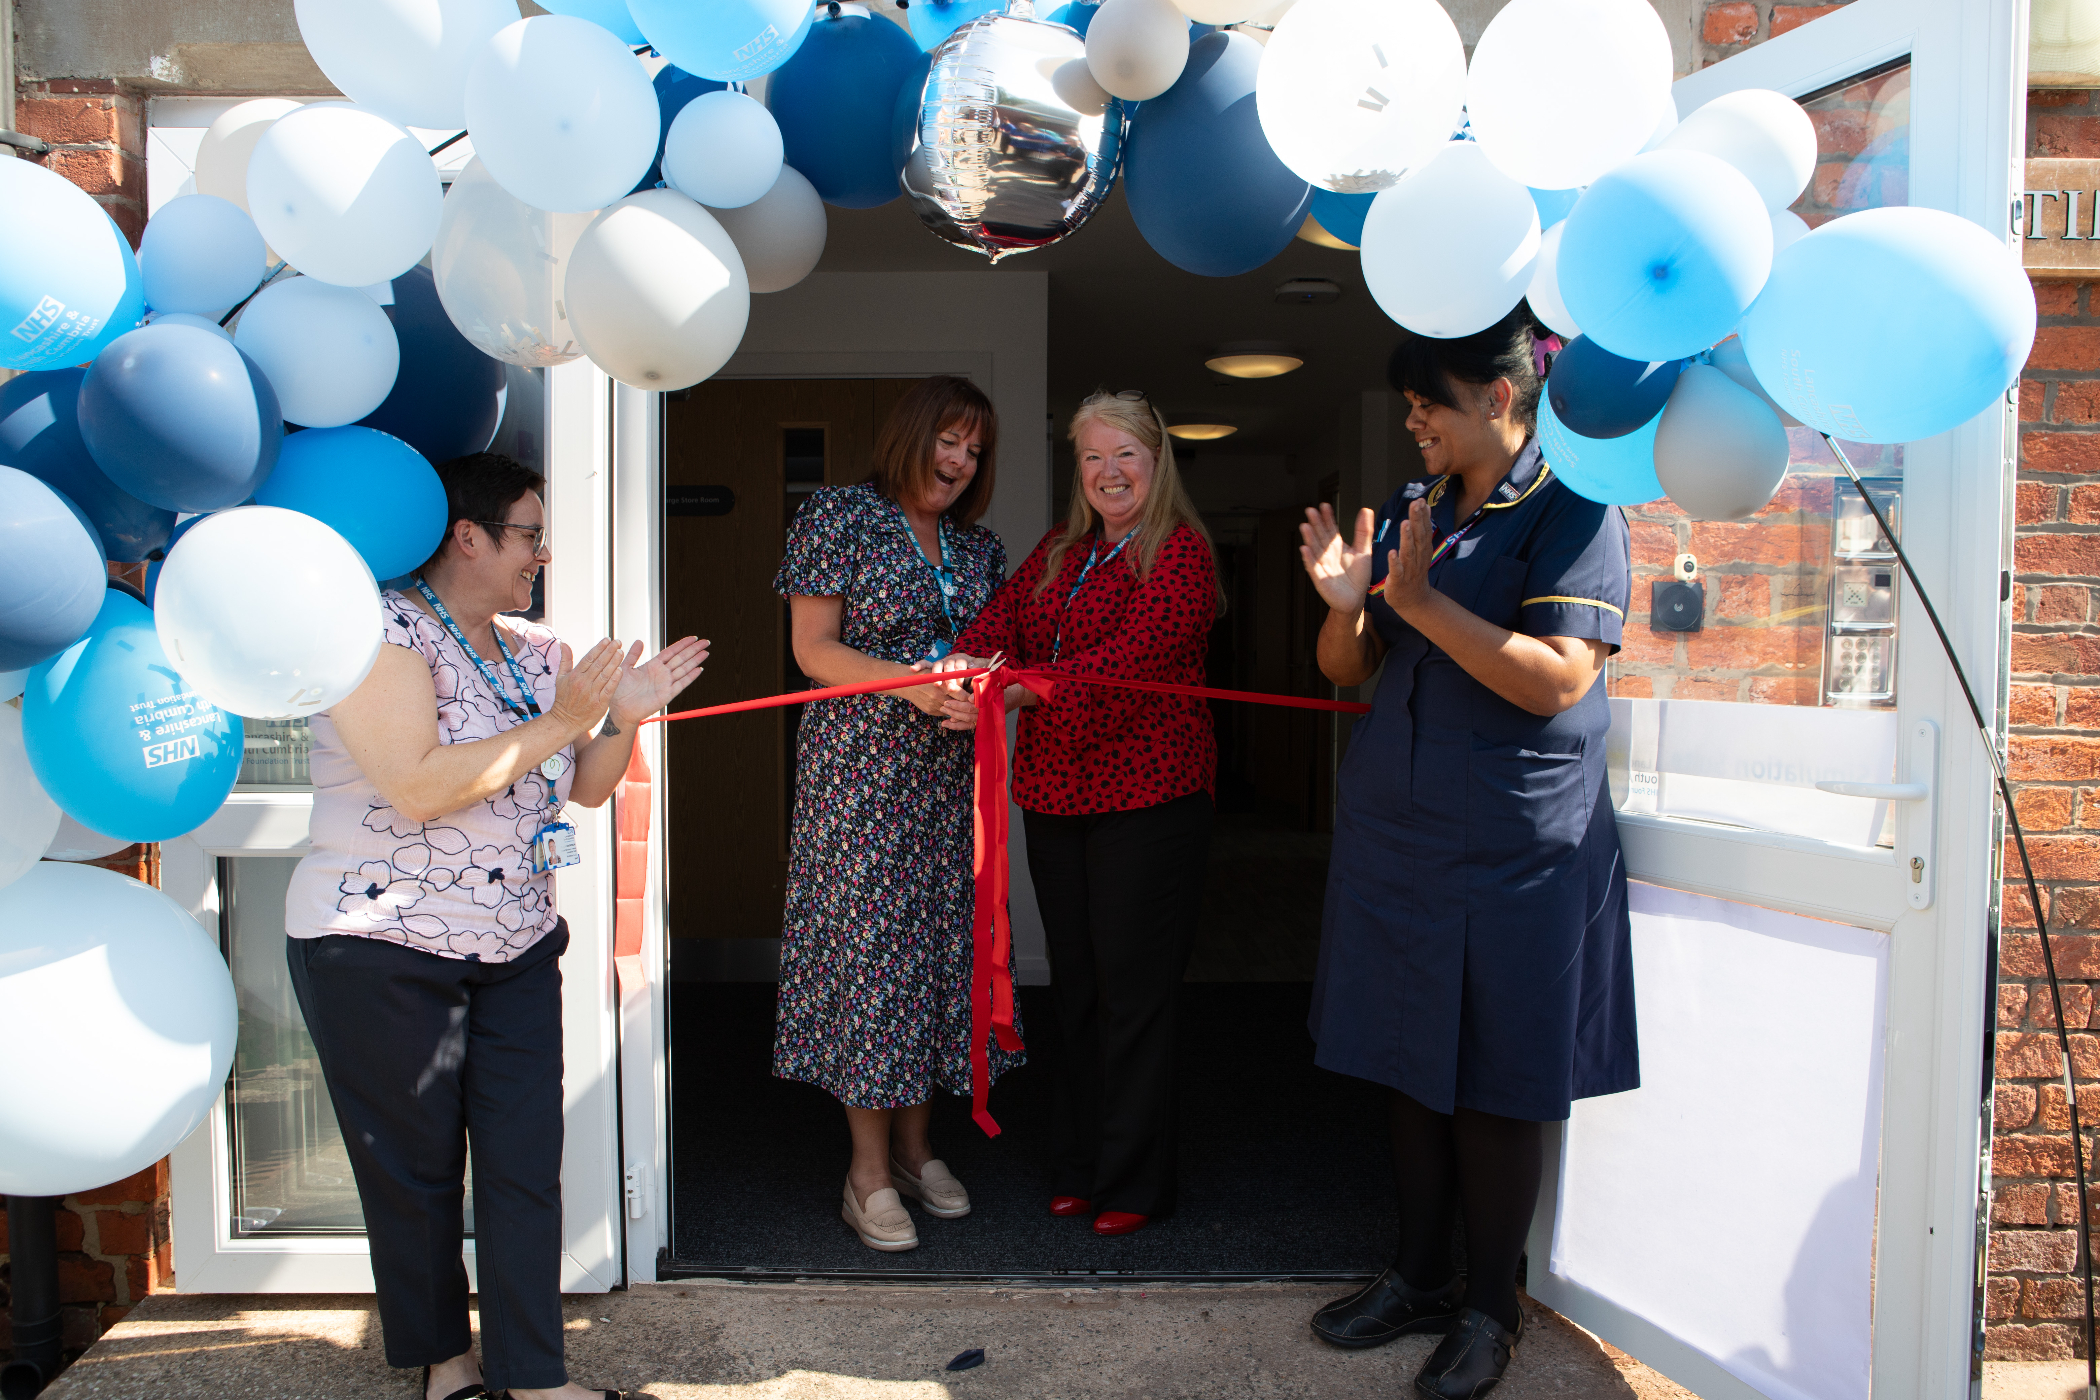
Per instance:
{"type": "Point", "coordinates": [644, 689]}
{"type": "Point", "coordinates": [1340, 571]}
{"type": "Point", "coordinates": [1407, 567]}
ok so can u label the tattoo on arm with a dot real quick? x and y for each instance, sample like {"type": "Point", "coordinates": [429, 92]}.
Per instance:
{"type": "Point", "coordinates": [609, 729]}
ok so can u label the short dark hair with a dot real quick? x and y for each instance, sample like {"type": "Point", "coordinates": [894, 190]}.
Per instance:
{"type": "Point", "coordinates": [481, 486]}
{"type": "Point", "coordinates": [904, 447]}
{"type": "Point", "coordinates": [1427, 367]}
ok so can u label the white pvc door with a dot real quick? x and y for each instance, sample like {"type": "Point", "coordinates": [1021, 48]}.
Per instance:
{"type": "Point", "coordinates": [1789, 1205]}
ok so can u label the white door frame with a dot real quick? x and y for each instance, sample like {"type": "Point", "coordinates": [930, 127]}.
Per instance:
{"type": "Point", "coordinates": [1968, 91]}
{"type": "Point", "coordinates": [208, 1259]}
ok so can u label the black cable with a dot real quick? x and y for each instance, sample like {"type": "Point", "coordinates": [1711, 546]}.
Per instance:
{"type": "Point", "coordinates": [448, 141]}
{"type": "Point", "coordinates": [2034, 896]}
{"type": "Point", "coordinates": [268, 277]}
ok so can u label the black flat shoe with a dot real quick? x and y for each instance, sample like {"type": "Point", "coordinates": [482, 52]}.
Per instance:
{"type": "Point", "coordinates": [466, 1392]}
{"type": "Point", "coordinates": [1386, 1308]}
{"type": "Point", "coordinates": [1469, 1362]}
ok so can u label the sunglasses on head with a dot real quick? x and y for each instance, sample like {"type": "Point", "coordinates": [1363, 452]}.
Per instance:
{"type": "Point", "coordinates": [1126, 395]}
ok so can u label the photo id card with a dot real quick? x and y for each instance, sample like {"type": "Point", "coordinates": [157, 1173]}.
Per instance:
{"type": "Point", "coordinates": [554, 848]}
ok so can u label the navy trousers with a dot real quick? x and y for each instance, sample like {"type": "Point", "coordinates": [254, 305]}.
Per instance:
{"type": "Point", "coordinates": [422, 1056]}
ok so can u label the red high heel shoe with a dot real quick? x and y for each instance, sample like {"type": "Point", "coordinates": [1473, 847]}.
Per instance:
{"type": "Point", "coordinates": [1118, 1222]}
{"type": "Point", "coordinates": [1070, 1205]}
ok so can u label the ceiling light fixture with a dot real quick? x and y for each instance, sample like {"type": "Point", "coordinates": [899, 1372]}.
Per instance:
{"type": "Point", "coordinates": [1201, 432]}
{"type": "Point", "coordinates": [1253, 359]}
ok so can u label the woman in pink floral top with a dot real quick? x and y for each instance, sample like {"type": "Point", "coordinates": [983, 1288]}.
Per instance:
{"type": "Point", "coordinates": [424, 941]}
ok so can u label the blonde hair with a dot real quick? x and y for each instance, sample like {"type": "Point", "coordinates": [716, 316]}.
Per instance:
{"type": "Point", "coordinates": [1167, 504]}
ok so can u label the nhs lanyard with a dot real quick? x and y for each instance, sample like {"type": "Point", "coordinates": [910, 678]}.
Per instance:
{"type": "Point", "coordinates": [1436, 555]}
{"type": "Point", "coordinates": [532, 707]}
{"type": "Point", "coordinates": [1058, 643]}
{"type": "Point", "coordinates": [943, 578]}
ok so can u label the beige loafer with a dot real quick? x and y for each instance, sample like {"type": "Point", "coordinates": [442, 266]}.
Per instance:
{"type": "Point", "coordinates": [883, 1223]}
{"type": "Point", "coordinates": [935, 1188]}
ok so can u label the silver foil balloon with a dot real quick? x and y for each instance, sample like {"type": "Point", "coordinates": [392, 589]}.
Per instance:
{"type": "Point", "coordinates": [1017, 145]}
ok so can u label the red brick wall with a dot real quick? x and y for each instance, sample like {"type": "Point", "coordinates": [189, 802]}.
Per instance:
{"type": "Point", "coordinates": [97, 131]}
{"type": "Point", "coordinates": [2034, 1300]}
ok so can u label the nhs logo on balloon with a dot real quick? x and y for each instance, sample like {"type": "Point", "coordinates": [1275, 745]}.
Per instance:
{"type": "Point", "coordinates": [159, 755]}
{"type": "Point", "coordinates": [178, 716]}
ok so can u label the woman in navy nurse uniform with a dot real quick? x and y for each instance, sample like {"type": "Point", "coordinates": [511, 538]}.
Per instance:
{"type": "Point", "coordinates": [1475, 953]}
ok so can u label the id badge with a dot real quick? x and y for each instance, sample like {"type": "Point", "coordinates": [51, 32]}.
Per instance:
{"type": "Point", "coordinates": [940, 648]}
{"type": "Point", "coordinates": [554, 848]}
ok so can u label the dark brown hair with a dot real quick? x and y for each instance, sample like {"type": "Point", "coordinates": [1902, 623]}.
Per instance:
{"type": "Point", "coordinates": [904, 447]}
{"type": "Point", "coordinates": [481, 486]}
{"type": "Point", "coordinates": [1428, 367]}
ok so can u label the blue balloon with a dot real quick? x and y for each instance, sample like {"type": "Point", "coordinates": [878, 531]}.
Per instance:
{"type": "Point", "coordinates": [674, 88]}
{"type": "Point", "coordinates": [69, 284]}
{"type": "Point", "coordinates": [606, 14]}
{"type": "Point", "coordinates": [1076, 15]}
{"type": "Point", "coordinates": [1597, 394]}
{"type": "Point", "coordinates": [52, 571]}
{"type": "Point", "coordinates": [120, 741]}
{"type": "Point", "coordinates": [1207, 192]}
{"type": "Point", "coordinates": [834, 101]}
{"type": "Point", "coordinates": [372, 489]}
{"type": "Point", "coordinates": [180, 418]}
{"type": "Point", "coordinates": [1554, 205]}
{"type": "Point", "coordinates": [1664, 254]}
{"type": "Point", "coordinates": [904, 113]}
{"type": "Point", "coordinates": [153, 569]}
{"type": "Point", "coordinates": [934, 20]}
{"type": "Point", "coordinates": [1618, 471]}
{"type": "Point", "coordinates": [40, 434]}
{"type": "Point", "coordinates": [1342, 214]}
{"type": "Point", "coordinates": [1891, 325]}
{"type": "Point", "coordinates": [731, 41]}
{"type": "Point", "coordinates": [447, 399]}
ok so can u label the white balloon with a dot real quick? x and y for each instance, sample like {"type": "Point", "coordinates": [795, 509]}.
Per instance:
{"type": "Point", "coordinates": [1137, 48]}
{"type": "Point", "coordinates": [1788, 228]}
{"type": "Point", "coordinates": [79, 947]}
{"type": "Point", "coordinates": [222, 156]}
{"type": "Point", "coordinates": [562, 113]}
{"type": "Point", "coordinates": [267, 612]}
{"type": "Point", "coordinates": [1664, 125]}
{"type": "Point", "coordinates": [723, 150]}
{"type": "Point", "coordinates": [1219, 11]}
{"type": "Point", "coordinates": [1445, 276]}
{"type": "Point", "coordinates": [404, 59]}
{"type": "Point", "coordinates": [329, 352]}
{"type": "Point", "coordinates": [344, 194]}
{"type": "Point", "coordinates": [499, 265]}
{"type": "Point", "coordinates": [12, 683]}
{"type": "Point", "coordinates": [657, 292]}
{"type": "Point", "coordinates": [200, 253]}
{"type": "Point", "coordinates": [76, 842]}
{"type": "Point", "coordinates": [781, 237]}
{"type": "Point", "coordinates": [1563, 90]}
{"type": "Point", "coordinates": [1719, 451]}
{"type": "Point", "coordinates": [184, 318]}
{"type": "Point", "coordinates": [1354, 93]}
{"type": "Point", "coordinates": [1764, 134]}
{"type": "Point", "coordinates": [1733, 360]}
{"type": "Point", "coordinates": [28, 816]}
{"type": "Point", "coordinates": [1544, 292]}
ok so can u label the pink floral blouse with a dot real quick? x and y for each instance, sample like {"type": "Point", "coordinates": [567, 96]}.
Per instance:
{"type": "Point", "coordinates": [461, 886]}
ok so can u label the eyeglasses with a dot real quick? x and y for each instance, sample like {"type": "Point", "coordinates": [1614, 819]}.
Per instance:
{"type": "Point", "coordinates": [538, 532]}
{"type": "Point", "coordinates": [1126, 395]}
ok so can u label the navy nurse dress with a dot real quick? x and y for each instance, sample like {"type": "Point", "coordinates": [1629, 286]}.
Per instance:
{"type": "Point", "coordinates": [1475, 950]}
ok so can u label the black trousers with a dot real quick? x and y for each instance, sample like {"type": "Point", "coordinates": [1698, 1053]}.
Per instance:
{"type": "Point", "coordinates": [422, 1055]}
{"type": "Point", "coordinates": [1120, 893]}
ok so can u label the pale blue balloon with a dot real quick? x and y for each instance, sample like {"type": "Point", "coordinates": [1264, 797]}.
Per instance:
{"type": "Point", "coordinates": [1891, 325]}
{"type": "Point", "coordinates": [200, 255]}
{"type": "Point", "coordinates": [1554, 205]}
{"type": "Point", "coordinates": [1663, 255]}
{"type": "Point", "coordinates": [731, 41]}
{"type": "Point", "coordinates": [1617, 471]}
{"type": "Point", "coordinates": [606, 14]}
{"type": "Point", "coordinates": [119, 740]}
{"type": "Point", "coordinates": [68, 282]}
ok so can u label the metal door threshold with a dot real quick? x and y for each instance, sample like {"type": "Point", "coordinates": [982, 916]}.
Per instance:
{"type": "Point", "coordinates": [671, 1270]}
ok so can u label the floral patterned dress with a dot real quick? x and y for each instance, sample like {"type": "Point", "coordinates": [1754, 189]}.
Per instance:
{"type": "Point", "coordinates": [875, 953]}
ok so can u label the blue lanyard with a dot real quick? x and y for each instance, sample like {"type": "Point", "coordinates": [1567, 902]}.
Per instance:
{"type": "Point", "coordinates": [1058, 643]}
{"type": "Point", "coordinates": [495, 685]}
{"type": "Point", "coordinates": [943, 574]}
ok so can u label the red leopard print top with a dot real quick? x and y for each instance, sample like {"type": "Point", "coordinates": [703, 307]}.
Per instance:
{"type": "Point", "coordinates": [1103, 748]}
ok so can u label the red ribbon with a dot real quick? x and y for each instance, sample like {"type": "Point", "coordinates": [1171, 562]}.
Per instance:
{"type": "Point", "coordinates": [991, 931]}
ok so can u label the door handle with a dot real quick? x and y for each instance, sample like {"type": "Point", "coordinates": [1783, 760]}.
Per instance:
{"type": "Point", "coordinates": [1880, 792]}
{"type": "Point", "coordinates": [1918, 846]}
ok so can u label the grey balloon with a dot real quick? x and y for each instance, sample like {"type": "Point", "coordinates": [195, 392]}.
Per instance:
{"type": "Point", "coordinates": [1016, 146]}
{"type": "Point", "coordinates": [1719, 450]}
{"type": "Point", "coordinates": [1729, 358]}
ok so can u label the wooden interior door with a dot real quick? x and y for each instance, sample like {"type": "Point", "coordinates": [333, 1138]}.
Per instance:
{"type": "Point", "coordinates": [739, 457]}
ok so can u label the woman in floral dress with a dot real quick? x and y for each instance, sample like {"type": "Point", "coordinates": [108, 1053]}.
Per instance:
{"type": "Point", "coordinates": [875, 953]}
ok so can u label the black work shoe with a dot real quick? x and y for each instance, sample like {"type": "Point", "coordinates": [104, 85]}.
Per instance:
{"type": "Point", "coordinates": [1469, 1362]}
{"type": "Point", "coordinates": [1385, 1308]}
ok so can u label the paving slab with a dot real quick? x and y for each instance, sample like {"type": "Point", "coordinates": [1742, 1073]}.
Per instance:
{"type": "Point", "coordinates": [721, 1341]}
{"type": "Point", "coordinates": [2034, 1380]}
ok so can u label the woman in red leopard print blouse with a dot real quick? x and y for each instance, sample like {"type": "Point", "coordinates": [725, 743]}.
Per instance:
{"type": "Point", "coordinates": [1115, 790]}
